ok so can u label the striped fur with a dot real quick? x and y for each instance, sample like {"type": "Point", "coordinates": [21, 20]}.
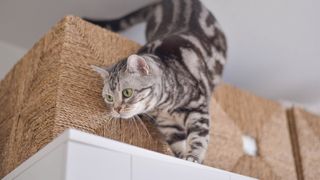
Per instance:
{"type": "Point", "coordinates": [173, 75]}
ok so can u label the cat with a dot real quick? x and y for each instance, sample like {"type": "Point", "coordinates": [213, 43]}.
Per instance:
{"type": "Point", "coordinates": [172, 77]}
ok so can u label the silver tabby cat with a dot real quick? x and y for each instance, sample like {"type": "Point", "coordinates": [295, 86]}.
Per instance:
{"type": "Point", "coordinates": [172, 77]}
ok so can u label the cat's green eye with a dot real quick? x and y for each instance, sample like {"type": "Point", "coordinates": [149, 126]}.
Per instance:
{"type": "Point", "coordinates": [127, 92]}
{"type": "Point", "coordinates": [109, 98]}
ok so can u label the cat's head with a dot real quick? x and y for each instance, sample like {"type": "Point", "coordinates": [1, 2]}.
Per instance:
{"type": "Point", "coordinates": [130, 86]}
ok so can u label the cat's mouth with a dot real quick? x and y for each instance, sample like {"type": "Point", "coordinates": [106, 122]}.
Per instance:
{"type": "Point", "coordinates": [126, 116]}
{"type": "Point", "coordinates": [123, 115]}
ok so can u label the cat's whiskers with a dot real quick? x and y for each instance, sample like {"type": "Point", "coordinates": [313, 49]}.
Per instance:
{"type": "Point", "coordinates": [130, 121]}
{"type": "Point", "coordinates": [135, 123]}
{"type": "Point", "coordinates": [109, 118]}
{"type": "Point", "coordinates": [144, 126]}
{"type": "Point", "coordinates": [149, 117]}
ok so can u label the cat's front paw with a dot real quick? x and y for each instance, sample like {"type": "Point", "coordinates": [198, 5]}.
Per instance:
{"type": "Point", "coordinates": [191, 158]}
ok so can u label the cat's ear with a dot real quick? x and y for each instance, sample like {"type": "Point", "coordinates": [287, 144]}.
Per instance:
{"type": "Point", "coordinates": [137, 64]}
{"type": "Point", "coordinates": [103, 72]}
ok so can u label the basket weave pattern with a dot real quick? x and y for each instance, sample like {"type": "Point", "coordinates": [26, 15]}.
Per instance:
{"type": "Point", "coordinates": [52, 88]}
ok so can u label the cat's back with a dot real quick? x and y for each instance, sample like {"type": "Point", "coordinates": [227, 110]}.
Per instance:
{"type": "Point", "coordinates": [176, 16]}
{"type": "Point", "coordinates": [188, 38]}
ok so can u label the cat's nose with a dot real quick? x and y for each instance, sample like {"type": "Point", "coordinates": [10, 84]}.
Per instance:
{"type": "Point", "coordinates": [118, 109]}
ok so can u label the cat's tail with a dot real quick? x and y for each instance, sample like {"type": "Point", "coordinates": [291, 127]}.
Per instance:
{"type": "Point", "coordinates": [126, 21]}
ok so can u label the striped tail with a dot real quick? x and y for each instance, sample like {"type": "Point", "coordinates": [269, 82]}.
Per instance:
{"type": "Point", "coordinates": [127, 21]}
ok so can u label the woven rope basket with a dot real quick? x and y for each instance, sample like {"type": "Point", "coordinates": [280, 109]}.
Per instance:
{"type": "Point", "coordinates": [52, 88]}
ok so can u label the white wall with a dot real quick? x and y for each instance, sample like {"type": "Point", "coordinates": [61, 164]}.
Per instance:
{"type": "Point", "coordinates": [9, 55]}
{"type": "Point", "coordinates": [23, 22]}
{"type": "Point", "coordinates": [274, 47]}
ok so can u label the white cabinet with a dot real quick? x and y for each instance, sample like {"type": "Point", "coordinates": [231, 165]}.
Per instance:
{"type": "Point", "coordinates": [75, 155]}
